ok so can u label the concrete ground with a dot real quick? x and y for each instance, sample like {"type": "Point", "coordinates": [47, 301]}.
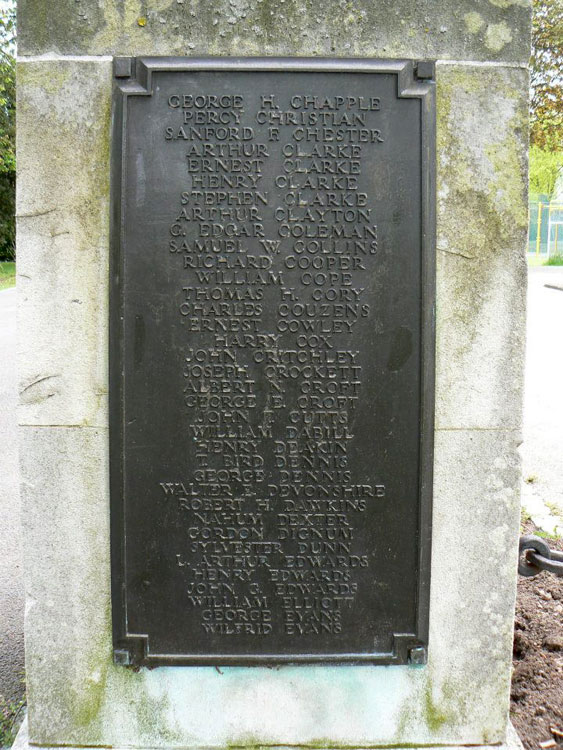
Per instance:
{"type": "Point", "coordinates": [542, 449]}
{"type": "Point", "coordinates": [11, 583]}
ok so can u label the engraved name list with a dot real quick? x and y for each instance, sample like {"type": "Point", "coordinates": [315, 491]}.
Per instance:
{"type": "Point", "coordinates": [269, 357]}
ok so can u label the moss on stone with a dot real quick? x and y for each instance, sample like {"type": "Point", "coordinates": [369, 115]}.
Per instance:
{"type": "Point", "coordinates": [508, 3]}
{"type": "Point", "coordinates": [497, 36]}
{"type": "Point", "coordinates": [473, 22]}
{"type": "Point", "coordinates": [434, 716]}
{"type": "Point", "coordinates": [481, 181]}
{"type": "Point", "coordinates": [35, 75]}
{"type": "Point", "coordinates": [268, 27]}
{"type": "Point", "coordinates": [150, 714]}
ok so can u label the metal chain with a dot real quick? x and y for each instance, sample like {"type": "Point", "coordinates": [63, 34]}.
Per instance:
{"type": "Point", "coordinates": [536, 555]}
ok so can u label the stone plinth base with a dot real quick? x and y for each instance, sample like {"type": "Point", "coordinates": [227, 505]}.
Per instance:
{"type": "Point", "coordinates": [512, 742]}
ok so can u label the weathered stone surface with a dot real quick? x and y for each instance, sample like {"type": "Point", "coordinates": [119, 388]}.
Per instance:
{"type": "Point", "coordinates": [64, 475]}
{"type": "Point", "coordinates": [481, 240]}
{"type": "Point", "coordinates": [77, 696]}
{"type": "Point", "coordinates": [11, 570]}
{"type": "Point", "coordinates": [475, 526]}
{"type": "Point", "coordinates": [63, 220]}
{"type": "Point", "coordinates": [512, 741]}
{"type": "Point", "coordinates": [481, 30]}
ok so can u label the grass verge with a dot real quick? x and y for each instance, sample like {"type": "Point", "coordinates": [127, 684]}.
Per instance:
{"type": "Point", "coordinates": [539, 260]}
{"type": "Point", "coordinates": [7, 274]}
{"type": "Point", "coordinates": [11, 715]}
{"type": "Point", "coordinates": [555, 260]}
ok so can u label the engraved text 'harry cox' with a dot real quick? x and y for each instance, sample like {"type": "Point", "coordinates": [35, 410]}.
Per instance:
{"type": "Point", "coordinates": [268, 387]}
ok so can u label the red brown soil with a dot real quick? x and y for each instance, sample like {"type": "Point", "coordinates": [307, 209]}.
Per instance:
{"type": "Point", "coordinates": [537, 679]}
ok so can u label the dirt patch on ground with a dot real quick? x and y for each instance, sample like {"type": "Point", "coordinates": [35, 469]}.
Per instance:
{"type": "Point", "coordinates": [537, 679]}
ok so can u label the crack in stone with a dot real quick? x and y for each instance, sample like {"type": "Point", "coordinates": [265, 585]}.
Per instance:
{"type": "Point", "coordinates": [461, 255]}
{"type": "Point", "coordinates": [36, 213]}
{"type": "Point", "coordinates": [37, 381]}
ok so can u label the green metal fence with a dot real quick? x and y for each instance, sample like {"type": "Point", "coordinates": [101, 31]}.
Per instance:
{"type": "Point", "coordinates": [545, 235]}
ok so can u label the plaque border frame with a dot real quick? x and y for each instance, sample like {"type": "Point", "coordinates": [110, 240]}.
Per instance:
{"type": "Point", "coordinates": [133, 77]}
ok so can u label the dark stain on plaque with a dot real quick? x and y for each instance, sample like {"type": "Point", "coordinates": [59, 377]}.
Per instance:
{"type": "Point", "coordinates": [271, 361]}
{"type": "Point", "coordinates": [401, 349]}
{"type": "Point", "coordinates": [139, 346]}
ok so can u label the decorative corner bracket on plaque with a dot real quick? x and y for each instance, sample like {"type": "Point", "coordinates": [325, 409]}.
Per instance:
{"type": "Point", "coordinates": [415, 78]}
{"type": "Point", "coordinates": [131, 652]}
{"type": "Point", "coordinates": [425, 70]}
{"type": "Point", "coordinates": [132, 75]}
{"type": "Point", "coordinates": [408, 649]}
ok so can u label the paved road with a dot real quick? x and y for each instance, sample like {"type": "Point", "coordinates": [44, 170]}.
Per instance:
{"type": "Point", "coordinates": [542, 450]}
{"type": "Point", "coordinates": [11, 584]}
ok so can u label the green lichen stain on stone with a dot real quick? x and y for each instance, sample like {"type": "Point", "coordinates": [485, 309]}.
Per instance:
{"type": "Point", "coordinates": [87, 702]}
{"type": "Point", "coordinates": [404, 719]}
{"type": "Point", "coordinates": [508, 3]}
{"type": "Point", "coordinates": [248, 742]}
{"type": "Point", "coordinates": [481, 175]}
{"type": "Point", "coordinates": [269, 20]}
{"type": "Point", "coordinates": [508, 190]}
{"type": "Point", "coordinates": [80, 692]}
{"type": "Point", "coordinates": [119, 19]}
{"type": "Point", "coordinates": [473, 22]}
{"type": "Point", "coordinates": [157, 6]}
{"type": "Point", "coordinates": [465, 205]}
{"type": "Point", "coordinates": [57, 26]}
{"type": "Point", "coordinates": [49, 82]}
{"type": "Point", "coordinates": [35, 14]}
{"type": "Point", "coordinates": [151, 720]}
{"type": "Point", "coordinates": [268, 27]}
{"type": "Point", "coordinates": [150, 714]}
{"type": "Point", "coordinates": [497, 36]}
{"type": "Point", "coordinates": [436, 715]}
{"type": "Point", "coordinates": [422, 708]}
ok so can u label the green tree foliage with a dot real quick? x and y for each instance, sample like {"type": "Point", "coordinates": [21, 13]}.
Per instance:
{"type": "Point", "coordinates": [7, 132]}
{"type": "Point", "coordinates": [544, 168]}
{"type": "Point", "coordinates": [546, 100]}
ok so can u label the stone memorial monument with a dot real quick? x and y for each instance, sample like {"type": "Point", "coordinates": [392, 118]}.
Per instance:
{"type": "Point", "coordinates": [271, 293]}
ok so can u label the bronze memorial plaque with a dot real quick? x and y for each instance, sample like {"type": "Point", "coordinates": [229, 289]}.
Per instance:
{"type": "Point", "coordinates": [272, 338]}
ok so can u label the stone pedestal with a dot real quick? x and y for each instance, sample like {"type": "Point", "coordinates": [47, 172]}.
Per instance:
{"type": "Point", "coordinates": [77, 696]}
